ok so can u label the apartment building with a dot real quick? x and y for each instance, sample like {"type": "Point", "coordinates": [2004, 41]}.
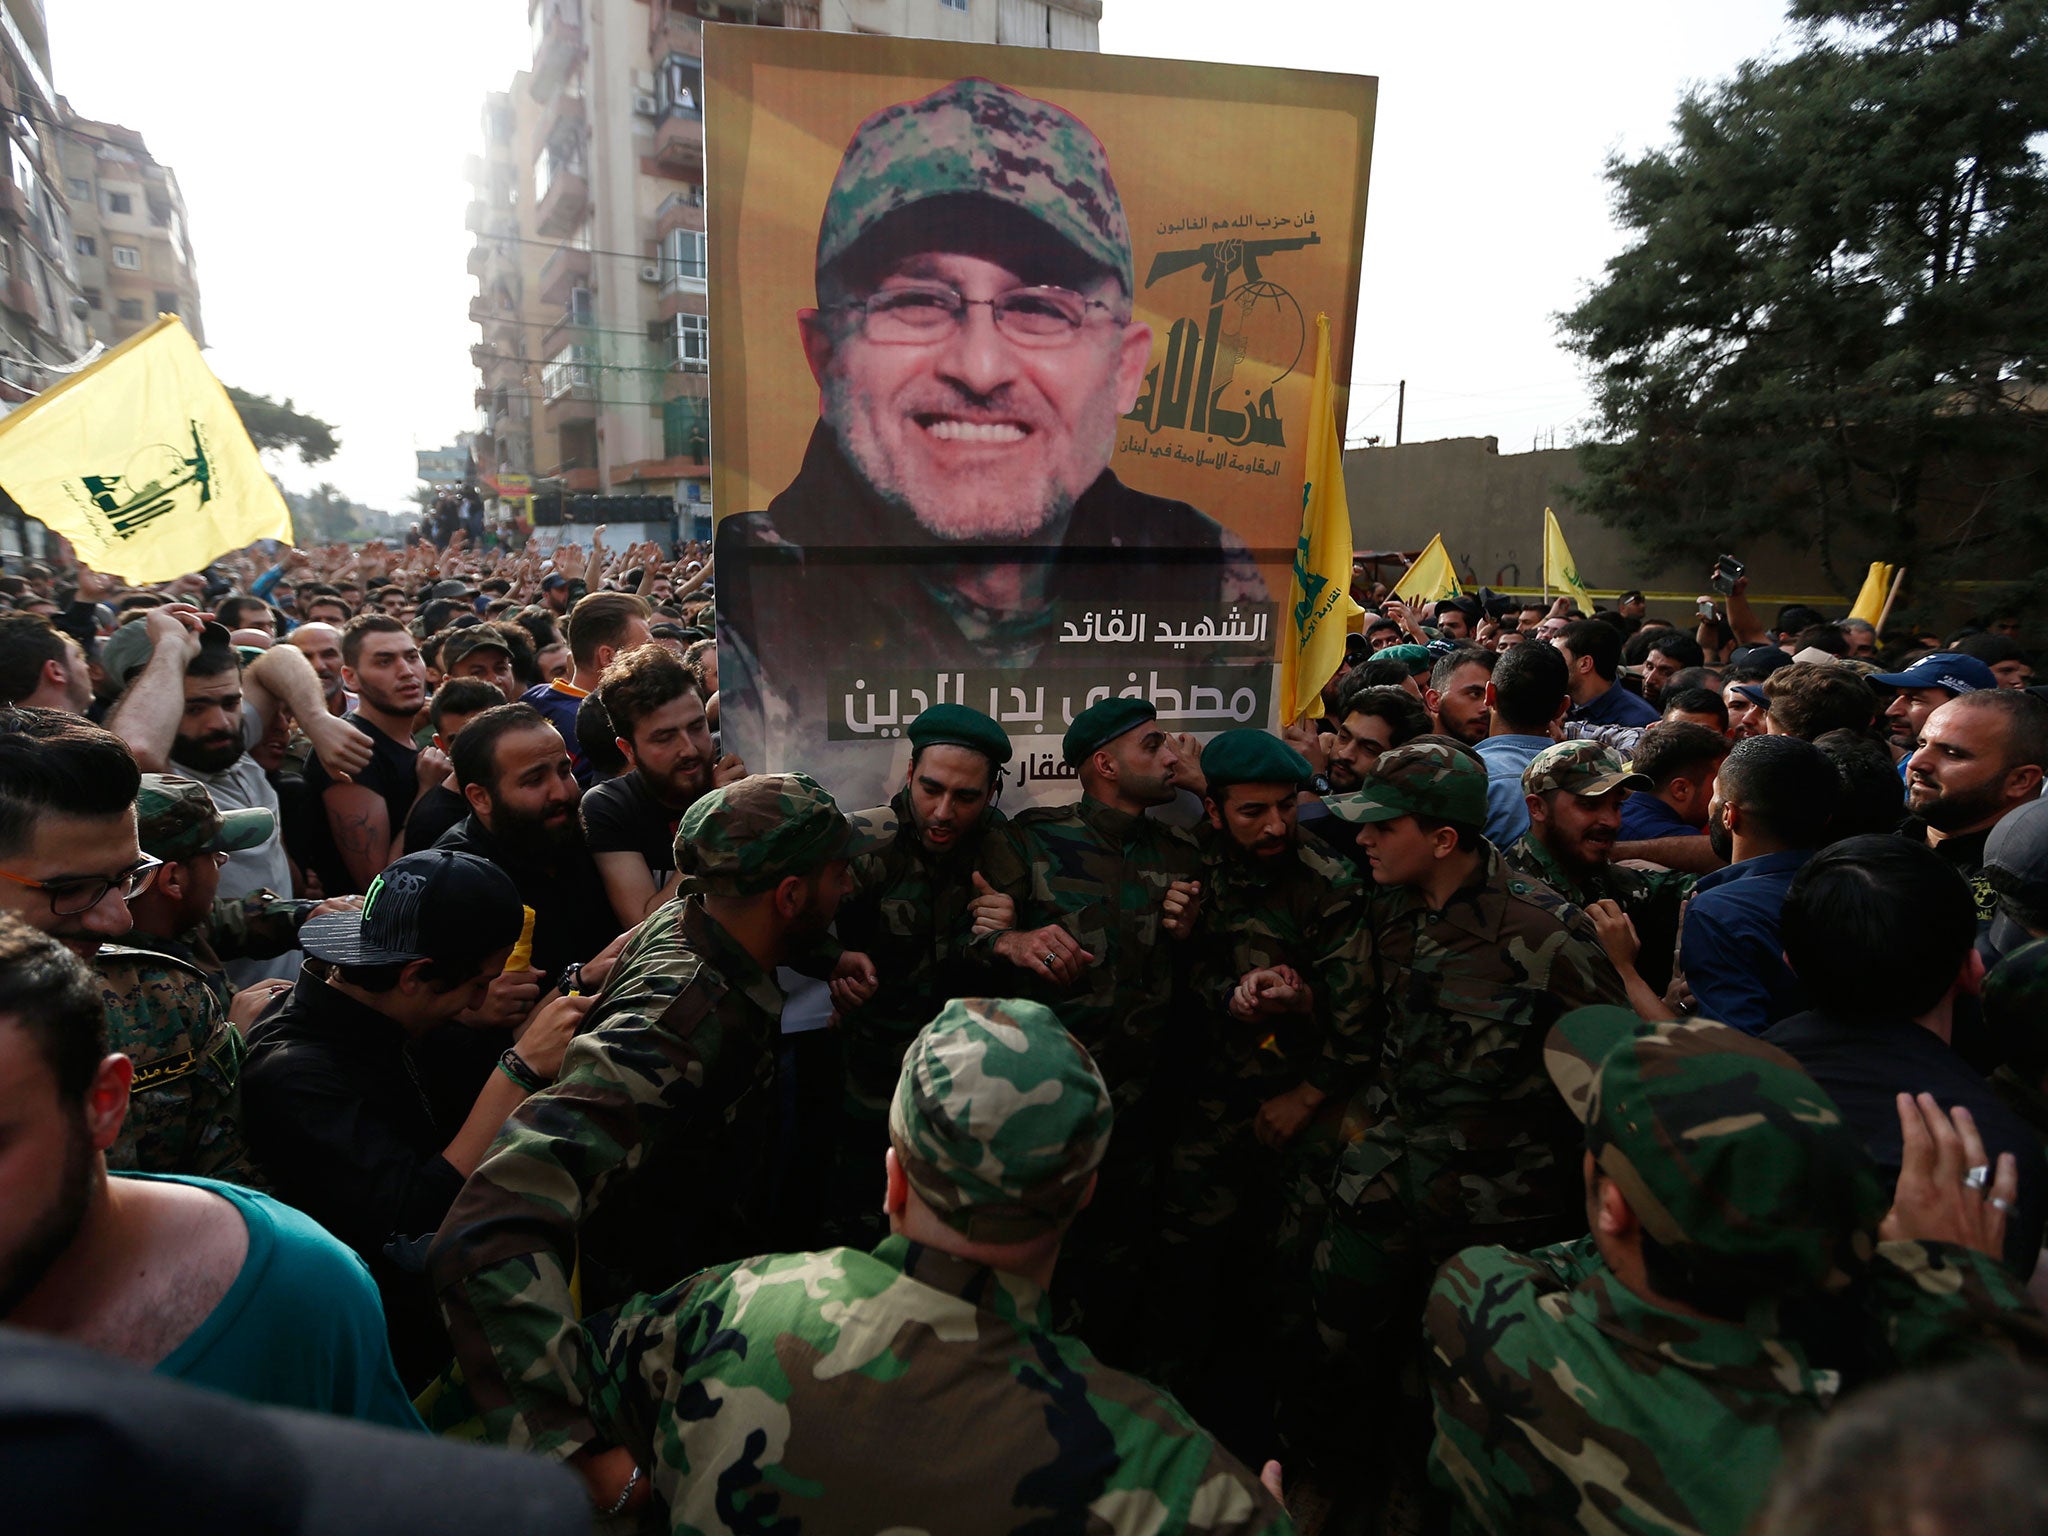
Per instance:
{"type": "Point", "coordinates": [131, 239]}
{"type": "Point", "coordinates": [588, 213]}
{"type": "Point", "coordinates": [42, 312]}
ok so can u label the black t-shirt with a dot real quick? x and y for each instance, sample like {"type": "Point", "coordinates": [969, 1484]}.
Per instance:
{"type": "Point", "coordinates": [620, 816]}
{"type": "Point", "coordinates": [438, 810]}
{"type": "Point", "coordinates": [391, 773]}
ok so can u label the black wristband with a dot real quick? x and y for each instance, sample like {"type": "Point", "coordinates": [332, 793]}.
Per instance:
{"type": "Point", "coordinates": [514, 1066]}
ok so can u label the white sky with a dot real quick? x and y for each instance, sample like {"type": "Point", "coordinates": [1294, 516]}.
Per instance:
{"type": "Point", "coordinates": [320, 152]}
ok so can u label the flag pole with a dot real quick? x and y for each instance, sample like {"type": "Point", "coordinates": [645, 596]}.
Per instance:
{"type": "Point", "coordinates": [1898, 579]}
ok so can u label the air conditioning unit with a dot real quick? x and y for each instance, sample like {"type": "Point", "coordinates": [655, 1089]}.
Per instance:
{"type": "Point", "coordinates": [645, 104]}
{"type": "Point", "coordinates": [651, 273]}
{"type": "Point", "coordinates": [643, 80]}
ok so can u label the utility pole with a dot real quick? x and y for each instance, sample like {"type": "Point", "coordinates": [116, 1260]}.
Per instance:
{"type": "Point", "coordinates": [1400, 412]}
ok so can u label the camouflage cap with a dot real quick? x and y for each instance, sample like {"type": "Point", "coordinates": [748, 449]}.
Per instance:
{"type": "Point", "coordinates": [977, 138]}
{"type": "Point", "coordinates": [1432, 776]}
{"type": "Point", "coordinates": [1579, 768]}
{"type": "Point", "coordinates": [2016, 1006]}
{"type": "Point", "coordinates": [127, 650]}
{"type": "Point", "coordinates": [177, 819]}
{"type": "Point", "coordinates": [999, 1118]}
{"type": "Point", "coordinates": [742, 838]}
{"type": "Point", "coordinates": [1721, 1144]}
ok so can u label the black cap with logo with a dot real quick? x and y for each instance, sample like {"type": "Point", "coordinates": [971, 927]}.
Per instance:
{"type": "Point", "coordinates": [433, 905]}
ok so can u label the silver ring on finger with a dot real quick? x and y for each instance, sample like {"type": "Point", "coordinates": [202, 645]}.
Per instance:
{"type": "Point", "coordinates": [2000, 1204]}
{"type": "Point", "coordinates": [1050, 959]}
{"type": "Point", "coordinates": [1977, 1177]}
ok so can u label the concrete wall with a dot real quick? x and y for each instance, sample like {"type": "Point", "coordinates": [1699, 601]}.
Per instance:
{"type": "Point", "coordinates": [1489, 508]}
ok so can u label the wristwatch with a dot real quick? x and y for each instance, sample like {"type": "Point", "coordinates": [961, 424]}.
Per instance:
{"type": "Point", "coordinates": [1320, 783]}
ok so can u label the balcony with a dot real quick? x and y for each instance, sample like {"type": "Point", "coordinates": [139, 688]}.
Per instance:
{"type": "Point", "coordinates": [679, 34]}
{"type": "Point", "coordinates": [557, 44]}
{"type": "Point", "coordinates": [679, 142]}
{"type": "Point", "coordinates": [561, 194]}
{"type": "Point", "coordinates": [573, 326]}
{"type": "Point", "coordinates": [567, 267]}
{"type": "Point", "coordinates": [20, 297]}
{"type": "Point", "coordinates": [680, 210]}
{"type": "Point", "coordinates": [490, 217]}
{"type": "Point", "coordinates": [564, 119]}
{"type": "Point", "coordinates": [479, 258]}
{"type": "Point", "coordinates": [579, 481]}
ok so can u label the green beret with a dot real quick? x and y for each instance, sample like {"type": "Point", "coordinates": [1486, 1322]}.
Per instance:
{"type": "Point", "coordinates": [1253, 757]}
{"type": "Point", "coordinates": [1415, 658]}
{"type": "Point", "coordinates": [1104, 722]}
{"type": "Point", "coordinates": [955, 725]}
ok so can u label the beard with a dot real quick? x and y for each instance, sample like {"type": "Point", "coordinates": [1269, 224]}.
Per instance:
{"type": "Point", "coordinates": [53, 1231]}
{"type": "Point", "coordinates": [208, 754]}
{"type": "Point", "coordinates": [534, 835]}
{"type": "Point", "coordinates": [990, 505]}
{"type": "Point", "coordinates": [681, 786]}
{"type": "Point", "coordinates": [1961, 808]}
{"type": "Point", "coordinates": [1344, 779]}
{"type": "Point", "coordinates": [1721, 840]}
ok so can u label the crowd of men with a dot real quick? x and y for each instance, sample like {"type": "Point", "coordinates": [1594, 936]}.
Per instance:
{"type": "Point", "coordinates": [1529, 1096]}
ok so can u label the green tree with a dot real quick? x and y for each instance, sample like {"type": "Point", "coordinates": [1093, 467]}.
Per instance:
{"type": "Point", "coordinates": [1831, 320]}
{"type": "Point", "coordinates": [277, 424]}
{"type": "Point", "coordinates": [322, 515]}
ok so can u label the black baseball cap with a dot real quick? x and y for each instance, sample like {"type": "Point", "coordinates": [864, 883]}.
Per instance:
{"type": "Point", "coordinates": [436, 904]}
{"type": "Point", "coordinates": [552, 580]}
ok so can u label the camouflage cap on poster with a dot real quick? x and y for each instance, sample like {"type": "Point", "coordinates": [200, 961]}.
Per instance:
{"type": "Point", "coordinates": [742, 838]}
{"type": "Point", "coordinates": [1246, 756]}
{"type": "Point", "coordinates": [1579, 768]}
{"type": "Point", "coordinates": [1101, 723]}
{"type": "Point", "coordinates": [1722, 1146]}
{"type": "Point", "coordinates": [1431, 776]}
{"type": "Point", "coordinates": [177, 819]}
{"type": "Point", "coordinates": [956, 725]}
{"type": "Point", "coordinates": [999, 1118]}
{"type": "Point", "coordinates": [977, 138]}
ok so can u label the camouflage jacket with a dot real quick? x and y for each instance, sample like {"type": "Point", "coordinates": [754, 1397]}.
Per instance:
{"type": "Point", "coordinates": [829, 1392]}
{"type": "Point", "coordinates": [1652, 898]}
{"type": "Point", "coordinates": [167, 1011]}
{"type": "Point", "coordinates": [1565, 1402]}
{"type": "Point", "coordinates": [1461, 1124]}
{"type": "Point", "coordinates": [663, 1113]}
{"type": "Point", "coordinates": [907, 913]}
{"type": "Point", "coordinates": [1307, 910]}
{"type": "Point", "coordinates": [1101, 874]}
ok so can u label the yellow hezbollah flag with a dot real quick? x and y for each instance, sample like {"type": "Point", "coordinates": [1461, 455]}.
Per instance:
{"type": "Point", "coordinates": [141, 462]}
{"type": "Point", "coordinates": [1320, 605]}
{"type": "Point", "coordinates": [1560, 570]}
{"type": "Point", "coordinates": [1430, 578]}
{"type": "Point", "coordinates": [1877, 586]}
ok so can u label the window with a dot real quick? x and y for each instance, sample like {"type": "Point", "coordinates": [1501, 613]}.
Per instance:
{"type": "Point", "coordinates": [87, 246]}
{"type": "Point", "coordinates": [679, 86]}
{"type": "Point", "coordinates": [6, 258]}
{"type": "Point", "coordinates": [128, 258]}
{"type": "Point", "coordinates": [682, 261]}
{"type": "Point", "coordinates": [129, 309]}
{"type": "Point", "coordinates": [573, 367]}
{"type": "Point", "coordinates": [77, 188]}
{"type": "Point", "coordinates": [692, 337]}
{"type": "Point", "coordinates": [120, 202]}
{"type": "Point", "coordinates": [92, 298]}
{"type": "Point", "coordinates": [953, 5]}
{"type": "Point", "coordinates": [166, 303]}
{"type": "Point", "coordinates": [685, 429]}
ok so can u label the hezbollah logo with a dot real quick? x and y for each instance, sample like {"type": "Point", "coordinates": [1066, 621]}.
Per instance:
{"type": "Point", "coordinates": [155, 482]}
{"type": "Point", "coordinates": [1310, 583]}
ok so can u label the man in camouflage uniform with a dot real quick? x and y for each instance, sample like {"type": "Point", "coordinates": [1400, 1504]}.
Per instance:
{"type": "Point", "coordinates": [951, 509]}
{"type": "Point", "coordinates": [1575, 791]}
{"type": "Point", "coordinates": [649, 1155]}
{"type": "Point", "coordinates": [921, 1387]}
{"type": "Point", "coordinates": [1281, 973]}
{"type": "Point", "coordinates": [911, 912]}
{"type": "Point", "coordinates": [1462, 1136]}
{"type": "Point", "coordinates": [1103, 896]}
{"type": "Point", "coordinates": [1648, 1377]}
{"type": "Point", "coordinates": [170, 1006]}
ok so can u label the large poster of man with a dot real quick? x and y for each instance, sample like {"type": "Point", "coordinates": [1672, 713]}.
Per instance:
{"type": "Point", "coordinates": [1011, 355]}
